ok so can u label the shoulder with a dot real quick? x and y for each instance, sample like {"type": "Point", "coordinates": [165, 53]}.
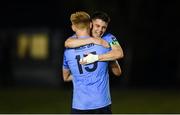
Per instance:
{"type": "Point", "coordinates": [73, 36]}
{"type": "Point", "coordinates": [107, 34]}
{"type": "Point", "coordinates": [109, 37]}
{"type": "Point", "coordinates": [68, 50]}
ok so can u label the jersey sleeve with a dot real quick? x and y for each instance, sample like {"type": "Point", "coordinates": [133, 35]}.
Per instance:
{"type": "Point", "coordinates": [111, 39]}
{"type": "Point", "coordinates": [65, 64]}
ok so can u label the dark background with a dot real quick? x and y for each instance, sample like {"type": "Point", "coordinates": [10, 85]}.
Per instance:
{"type": "Point", "coordinates": [148, 31]}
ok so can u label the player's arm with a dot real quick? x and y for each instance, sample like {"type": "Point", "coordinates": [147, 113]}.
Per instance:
{"type": "Point", "coordinates": [74, 42]}
{"type": "Point", "coordinates": [67, 75]}
{"type": "Point", "coordinates": [114, 54]}
{"type": "Point", "coordinates": [115, 68]}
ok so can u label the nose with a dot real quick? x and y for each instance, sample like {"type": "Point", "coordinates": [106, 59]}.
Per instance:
{"type": "Point", "coordinates": [101, 28]}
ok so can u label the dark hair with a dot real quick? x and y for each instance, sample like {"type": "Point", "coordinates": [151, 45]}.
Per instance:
{"type": "Point", "coordinates": [100, 15]}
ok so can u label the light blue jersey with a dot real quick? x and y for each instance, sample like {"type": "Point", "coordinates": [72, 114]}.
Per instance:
{"type": "Point", "coordinates": [111, 39]}
{"type": "Point", "coordinates": [90, 82]}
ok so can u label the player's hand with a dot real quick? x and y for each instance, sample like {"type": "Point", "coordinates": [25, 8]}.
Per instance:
{"type": "Point", "coordinates": [100, 41]}
{"type": "Point", "coordinates": [90, 58]}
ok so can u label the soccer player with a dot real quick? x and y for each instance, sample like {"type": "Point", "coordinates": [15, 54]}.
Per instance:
{"type": "Point", "coordinates": [91, 93]}
{"type": "Point", "coordinates": [100, 21]}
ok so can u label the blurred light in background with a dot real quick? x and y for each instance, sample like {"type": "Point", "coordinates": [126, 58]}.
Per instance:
{"type": "Point", "coordinates": [36, 45]}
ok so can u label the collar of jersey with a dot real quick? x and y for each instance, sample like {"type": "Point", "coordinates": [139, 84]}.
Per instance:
{"type": "Point", "coordinates": [83, 36]}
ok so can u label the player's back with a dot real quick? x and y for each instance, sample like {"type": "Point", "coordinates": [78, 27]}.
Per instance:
{"type": "Point", "coordinates": [90, 82]}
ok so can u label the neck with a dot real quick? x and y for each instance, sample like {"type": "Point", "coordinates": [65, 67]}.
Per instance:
{"type": "Point", "coordinates": [82, 33]}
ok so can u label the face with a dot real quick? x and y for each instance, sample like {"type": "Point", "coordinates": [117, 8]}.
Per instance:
{"type": "Point", "coordinates": [99, 27]}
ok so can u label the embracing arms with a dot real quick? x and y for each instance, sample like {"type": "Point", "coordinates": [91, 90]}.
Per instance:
{"type": "Point", "coordinates": [67, 75]}
{"type": "Point", "coordinates": [74, 42]}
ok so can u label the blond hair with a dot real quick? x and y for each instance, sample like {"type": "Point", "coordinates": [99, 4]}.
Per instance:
{"type": "Point", "coordinates": [80, 19]}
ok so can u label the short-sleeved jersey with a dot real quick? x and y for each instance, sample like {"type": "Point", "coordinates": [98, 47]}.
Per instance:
{"type": "Point", "coordinates": [111, 39]}
{"type": "Point", "coordinates": [90, 82]}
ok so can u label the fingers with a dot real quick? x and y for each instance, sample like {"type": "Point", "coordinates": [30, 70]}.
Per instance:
{"type": "Point", "coordinates": [82, 61]}
{"type": "Point", "coordinates": [90, 58]}
{"type": "Point", "coordinates": [104, 43]}
{"type": "Point", "coordinates": [100, 41]}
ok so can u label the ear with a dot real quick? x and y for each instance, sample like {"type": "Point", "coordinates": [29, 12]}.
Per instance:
{"type": "Point", "coordinates": [73, 27]}
{"type": "Point", "coordinates": [90, 25]}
